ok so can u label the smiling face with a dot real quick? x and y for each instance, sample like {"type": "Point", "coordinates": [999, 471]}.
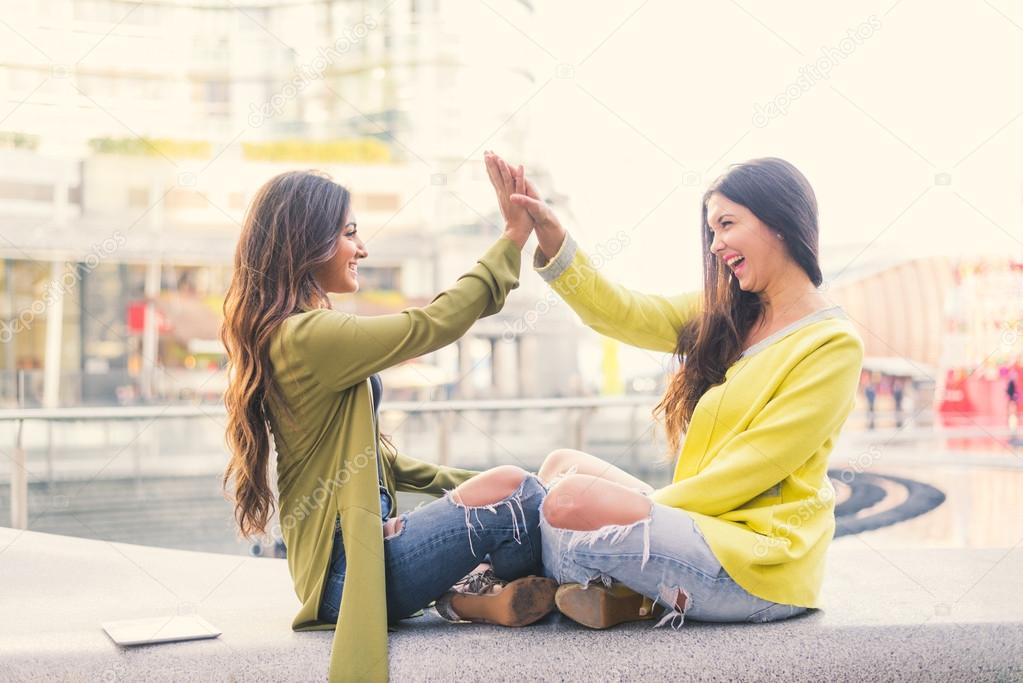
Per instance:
{"type": "Point", "coordinates": [340, 275]}
{"type": "Point", "coordinates": [738, 232]}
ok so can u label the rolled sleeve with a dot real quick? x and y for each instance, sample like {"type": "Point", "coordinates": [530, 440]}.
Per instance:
{"type": "Point", "coordinates": [553, 269]}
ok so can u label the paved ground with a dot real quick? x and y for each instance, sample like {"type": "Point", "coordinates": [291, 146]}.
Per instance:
{"type": "Point", "coordinates": [924, 614]}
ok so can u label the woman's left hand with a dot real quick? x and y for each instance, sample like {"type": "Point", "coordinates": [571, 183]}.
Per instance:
{"type": "Point", "coordinates": [508, 181]}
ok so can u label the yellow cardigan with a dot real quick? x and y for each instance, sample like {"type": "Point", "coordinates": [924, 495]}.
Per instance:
{"type": "Point", "coordinates": [753, 468]}
{"type": "Point", "coordinates": [328, 460]}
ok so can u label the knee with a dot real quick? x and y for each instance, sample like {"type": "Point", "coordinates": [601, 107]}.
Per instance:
{"type": "Point", "coordinates": [563, 505]}
{"type": "Point", "coordinates": [582, 502]}
{"type": "Point", "coordinates": [491, 486]}
{"type": "Point", "coordinates": [506, 477]}
{"type": "Point", "coordinates": [556, 462]}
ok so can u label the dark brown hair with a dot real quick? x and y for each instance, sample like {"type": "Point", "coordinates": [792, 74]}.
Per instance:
{"type": "Point", "coordinates": [291, 227]}
{"type": "Point", "coordinates": [781, 197]}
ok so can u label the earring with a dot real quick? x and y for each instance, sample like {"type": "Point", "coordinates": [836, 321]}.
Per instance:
{"type": "Point", "coordinates": [780, 236]}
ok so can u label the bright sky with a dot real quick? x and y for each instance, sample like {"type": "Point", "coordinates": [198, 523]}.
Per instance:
{"type": "Point", "coordinates": [653, 91]}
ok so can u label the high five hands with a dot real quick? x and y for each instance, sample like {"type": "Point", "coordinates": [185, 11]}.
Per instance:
{"type": "Point", "coordinates": [522, 207]}
{"type": "Point", "coordinates": [507, 182]}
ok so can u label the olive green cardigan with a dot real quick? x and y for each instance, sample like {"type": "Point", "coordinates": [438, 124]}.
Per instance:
{"type": "Point", "coordinates": [328, 456]}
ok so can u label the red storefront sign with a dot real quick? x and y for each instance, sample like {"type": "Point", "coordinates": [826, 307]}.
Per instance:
{"type": "Point", "coordinates": [136, 318]}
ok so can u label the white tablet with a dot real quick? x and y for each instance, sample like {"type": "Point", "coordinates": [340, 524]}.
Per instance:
{"type": "Point", "coordinates": [166, 629]}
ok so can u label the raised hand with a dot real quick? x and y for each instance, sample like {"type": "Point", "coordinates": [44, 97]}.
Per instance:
{"type": "Point", "coordinates": [549, 232]}
{"type": "Point", "coordinates": [507, 181]}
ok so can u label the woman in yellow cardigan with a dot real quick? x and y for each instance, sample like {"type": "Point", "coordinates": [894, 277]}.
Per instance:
{"type": "Point", "coordinates": [768, 377]}
{"type": "Point", "coordinates": [307, 375]}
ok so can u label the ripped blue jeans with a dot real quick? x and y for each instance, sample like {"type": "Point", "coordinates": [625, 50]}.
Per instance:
{"type": "Point", "coordinates": [442, 541]}
{"type": "Point", "coordinates": [660, 557]}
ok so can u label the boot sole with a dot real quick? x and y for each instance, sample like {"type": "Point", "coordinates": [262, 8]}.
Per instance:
{"type": "Point", "coordinates": [520, 603]}
{"type": "Point", "coordinates": [598, 607]}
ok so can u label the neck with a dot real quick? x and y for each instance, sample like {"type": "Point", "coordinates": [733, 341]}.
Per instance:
{"type": "Point", "coordinates": [789, 295]}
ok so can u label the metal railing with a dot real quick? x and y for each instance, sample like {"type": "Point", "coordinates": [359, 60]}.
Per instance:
{"type": "Point", "coordinates": [576, 429]}
{"type": "Point", "coordinates": [579, 412]}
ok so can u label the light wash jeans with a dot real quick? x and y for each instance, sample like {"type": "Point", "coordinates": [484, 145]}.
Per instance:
{"type": "Point", "coordinates": [657, 557]}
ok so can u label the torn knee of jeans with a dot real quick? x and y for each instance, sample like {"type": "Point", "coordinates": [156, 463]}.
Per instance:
{"type": "Point", "coordinates": [614, 534]}
{"type": "Point", "coordinates": [453, 496]}
{"type": "Point", "coordinates": [513, 502]}
{"type": "Point", "coordinates": [676, 603]}
{"type": "Point", "coordinates": [393, 527]}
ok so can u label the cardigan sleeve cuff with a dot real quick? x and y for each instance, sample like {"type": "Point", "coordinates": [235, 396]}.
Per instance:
{"type": "Point", "coordinates": [553, 269]}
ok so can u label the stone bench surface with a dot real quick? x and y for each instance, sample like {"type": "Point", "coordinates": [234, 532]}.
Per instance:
{"type": "Point", "coordinates": [933, 614]}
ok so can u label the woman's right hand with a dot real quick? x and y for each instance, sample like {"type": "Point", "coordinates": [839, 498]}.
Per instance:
{"type": "Point", "coordinates": [549, 232]}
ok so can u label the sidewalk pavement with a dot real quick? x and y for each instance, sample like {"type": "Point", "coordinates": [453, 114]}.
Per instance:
{"type": "Point", "coordinates": [923, 614]}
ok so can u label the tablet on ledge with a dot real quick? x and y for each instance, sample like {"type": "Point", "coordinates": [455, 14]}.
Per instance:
{"type": "Point", "coordinates": [159, 629]}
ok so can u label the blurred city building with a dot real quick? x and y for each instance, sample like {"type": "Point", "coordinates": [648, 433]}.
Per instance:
{"type": "Point", "coordinates": [938, 331]}
{"type": "Point", "coordinates": [135, 135]}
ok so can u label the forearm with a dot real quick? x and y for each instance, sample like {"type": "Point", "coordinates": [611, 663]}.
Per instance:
{"type": "Point", "coordinates": [341, 349]}
{"type": "Point", "coordinates": [418, 476]}
{"type": "Point", "coordinates": [550, 237]}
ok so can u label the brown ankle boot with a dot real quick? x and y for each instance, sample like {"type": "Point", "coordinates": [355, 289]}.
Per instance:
{"type": "Point", "coordinates": [599, 607]}
{"type": "Point", "coordinates": [493, 601]}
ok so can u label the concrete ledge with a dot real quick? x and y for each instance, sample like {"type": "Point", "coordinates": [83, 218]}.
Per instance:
{"type": "Point", "coordinates": [939, 614]}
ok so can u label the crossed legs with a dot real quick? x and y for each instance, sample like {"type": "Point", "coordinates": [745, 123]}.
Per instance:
{"type": "Point", "coordinates": [589, 494]}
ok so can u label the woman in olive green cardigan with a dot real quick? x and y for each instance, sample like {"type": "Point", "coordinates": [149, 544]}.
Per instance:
{"type": "Point", "coordinates": [308, 374]}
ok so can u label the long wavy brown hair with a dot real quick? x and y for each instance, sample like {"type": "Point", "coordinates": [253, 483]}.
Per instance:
{"type": "Point", "coordinates": [292, 226]}
{"type": "Point", "coordinates": [781, 197]}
